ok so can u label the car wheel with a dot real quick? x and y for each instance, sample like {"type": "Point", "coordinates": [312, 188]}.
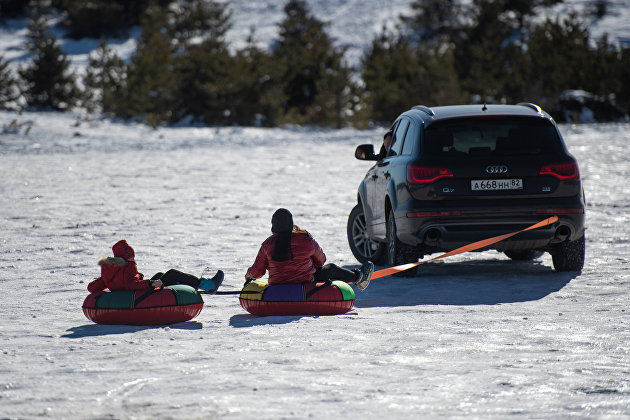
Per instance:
{"type": "Point", "coordinates": [397, 252]}
{"type": "Point", "coordinates": [526, 255]}
{"type": "Point", "coordinates": [363, 248]}
{"type": "Point", "coordinates": [569, 256]}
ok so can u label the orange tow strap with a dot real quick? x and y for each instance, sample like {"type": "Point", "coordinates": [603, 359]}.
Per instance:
{"type": "Point", "coordinates": [470, 247]}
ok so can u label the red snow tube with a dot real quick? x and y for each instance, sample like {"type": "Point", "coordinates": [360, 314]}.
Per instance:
{"type": "Point", "coordinates": [264, 299]}
{"type": "Point", "coordinates": [144, 307]}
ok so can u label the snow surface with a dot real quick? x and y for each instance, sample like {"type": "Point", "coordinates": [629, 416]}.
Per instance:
{"type": "Point", "coordinates": [473, 336]}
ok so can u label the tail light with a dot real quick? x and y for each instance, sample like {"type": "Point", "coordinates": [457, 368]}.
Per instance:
{"type": "Point", "coordinates": [445, 213]}
{"type": "Point", "coordinates": [426, 175]}
{"type": "Point", "coordinates": [561, 211]}
{"type": "Point", "coordinates": [563, 171]}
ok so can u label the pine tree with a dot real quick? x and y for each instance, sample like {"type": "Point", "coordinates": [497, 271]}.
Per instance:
{"type": "Point", "coordinates": [335, 91]}
{"type": "Point", "coordinates": [258, 95]}
{"type": "Point", "coordinates": [308, 58]}
{"type": "Point", "coordinates": [337, 96]}
{"type": "Point", "coordinates": [523, 9]}
{"type": "Point", "coordinates": [104, 80]}
{"type": "Point", "coordinates": [391, 74]}
{"type": "Point", "coordinates": [205, 83]}
{"type": "Point", "coordinates": [491, 53]}
{"type": "Point", "coordinates": [49, 83]}
{"type": "Point", "coordinates": [480, 56]}
{"type": "Point", "coordinates": [623, 64]}
{"type": "Point", "coordinates": [560, 57]}
{"type": "Point", "coordinates": [150, 87]}
{"type": "Point", "coordinates": [440, 85]}
{"type": "Point", "coordinates": [8, 86]}
{"type": "Point", "coordinates": [97, 18]}
{"type": "Point", "coordinates": [12, 8]}
{"type": "Point", "coordinates": [605, 75]}
{"type": "Point", "coordinates": [399, 75]}
{"type": "Point", "coordinates": [199, 19]}
{"type": "Point", "coordinates": [205, 69]}
{"type": "Point", "coordinates": [433, 23]}
{"type": "Point", "coordinates": [93, 19]}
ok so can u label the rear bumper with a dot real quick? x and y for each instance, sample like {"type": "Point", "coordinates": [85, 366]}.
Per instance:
{"type": "Point", "coordinates": [461, 228]}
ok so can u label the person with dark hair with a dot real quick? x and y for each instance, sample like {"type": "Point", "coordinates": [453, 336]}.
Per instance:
{"type": "Point", "coordinates": [387, 142]}
{"type": "Point", "coordinates": [121, 273]}
{"type": "Point", "coordinates": [291, 255]}
{"type": "Point", "coordinates": [382, 154]}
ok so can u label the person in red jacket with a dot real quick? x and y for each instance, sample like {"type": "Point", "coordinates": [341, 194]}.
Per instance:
{"type": "Point", "coordinates": [291, 255]}
{"type": "Point", "coordinates": [121, 273]}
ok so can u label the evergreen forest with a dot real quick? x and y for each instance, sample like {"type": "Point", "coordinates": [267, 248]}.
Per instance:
{"type": "Point", "coordinates": [183, 71]}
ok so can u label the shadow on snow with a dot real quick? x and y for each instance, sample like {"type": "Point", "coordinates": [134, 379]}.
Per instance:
{"type": "Point", "coordinates": [247, 320]}
{"type": "Point", "coordinates": [93, 330]}
{"type": "Point", "coordinates": [486, 282]}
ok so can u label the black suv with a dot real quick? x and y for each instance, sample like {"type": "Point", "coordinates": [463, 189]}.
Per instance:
{"type": "Point", "coordinates": [458, 174]}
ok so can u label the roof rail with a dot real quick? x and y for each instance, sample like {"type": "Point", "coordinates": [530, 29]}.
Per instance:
{"type": "Point", "coordinates": [425, 109]}
{"type": "Point", "coordinates": [532, 106]}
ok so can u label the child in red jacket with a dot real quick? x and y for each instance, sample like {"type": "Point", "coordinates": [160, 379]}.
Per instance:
{"type": "Point", "coordinates": [121, 273]}
{"type": "Point", "coordinates": [291, 255]}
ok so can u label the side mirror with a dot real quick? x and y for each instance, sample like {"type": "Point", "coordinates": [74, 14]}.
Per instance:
{"type": "Point", "coordinates": [365, 152]}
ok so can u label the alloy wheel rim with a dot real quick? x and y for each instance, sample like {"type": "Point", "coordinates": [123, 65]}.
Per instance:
{"type": "Point", "coordinates": [362, 241]}
{"type": "Point", "coordinates": [391, 242]}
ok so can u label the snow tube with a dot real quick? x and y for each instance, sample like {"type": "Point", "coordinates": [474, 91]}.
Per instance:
{"type": "Point", "coordinates": [264, 299]}
{"type": "Point", "coordinates": [171, 304]}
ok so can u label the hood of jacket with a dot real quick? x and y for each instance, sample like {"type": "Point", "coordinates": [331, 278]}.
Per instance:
{"type": "Point", "coordinates": [117, 261]}
{"type": "Point", "coordinates": [123, 250]}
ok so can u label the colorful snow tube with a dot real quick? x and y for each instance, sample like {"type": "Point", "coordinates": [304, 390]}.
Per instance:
{"type": "Point", "coordinates": [144, 307]}
{"type": "Point", "coordinates": [264, 299]}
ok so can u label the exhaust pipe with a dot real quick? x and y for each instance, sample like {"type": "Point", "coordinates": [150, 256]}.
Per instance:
{"type": "Point", "coordinates": [432, 236]}
{"type": "Point", "coordinates": [562, 233]}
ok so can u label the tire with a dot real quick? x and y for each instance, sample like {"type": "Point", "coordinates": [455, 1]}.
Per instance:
{"type": "Point", "coordinates": [569, 256]}
{"type": "Point", "coordinates": [526, 255]}
{"type": "Point", "coordinates": [397, 252]}
{"type": "Point", "coordinates": [363, 248]}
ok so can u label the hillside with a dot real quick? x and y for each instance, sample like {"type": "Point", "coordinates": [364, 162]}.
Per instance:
{"type": "Point", "coordinates": [352, 24]}
{"type": "Point", "coordinates": [353, 76]}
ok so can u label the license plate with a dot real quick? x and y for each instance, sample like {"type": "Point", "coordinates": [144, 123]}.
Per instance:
{"type": "Point", "coordinates": [496, 184]}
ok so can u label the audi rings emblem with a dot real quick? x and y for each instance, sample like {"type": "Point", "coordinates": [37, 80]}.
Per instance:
{"type": "Point", "coordinates": [496, 169]}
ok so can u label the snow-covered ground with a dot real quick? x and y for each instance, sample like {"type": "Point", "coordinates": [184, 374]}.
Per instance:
{"type": "Point", "coordinates": [473, 336]}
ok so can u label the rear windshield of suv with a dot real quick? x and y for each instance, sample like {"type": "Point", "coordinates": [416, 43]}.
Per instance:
{"type": "Point", "coordinates": [491, 136]}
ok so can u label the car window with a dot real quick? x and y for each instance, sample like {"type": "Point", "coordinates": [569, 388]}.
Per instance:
{"type": "Point", "coordinates": [508, 136]}
{"type": "Point", "coordinates": [398, 138]}
{"type": "Point", "coordinates": [410, 140]}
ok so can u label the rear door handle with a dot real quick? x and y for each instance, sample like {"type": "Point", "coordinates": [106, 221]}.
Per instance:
{"type": "Point", "coordinates": [387, 175]}
{"type": "Point", "coordinates": [375, 177]}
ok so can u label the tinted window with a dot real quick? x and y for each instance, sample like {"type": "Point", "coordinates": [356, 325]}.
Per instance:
{"type": "Point", "coordinates": [410, 140]}
{"type": "Point", "coordinates": [398, 138]}
{"type": "Point", "coordinates": [507, 136]}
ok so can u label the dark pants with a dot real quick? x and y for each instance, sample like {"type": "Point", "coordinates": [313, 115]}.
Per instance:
{"type": "Point", "coordinates": [173, 277]}
{"type": "Point", "coordinates": [334, 272]}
